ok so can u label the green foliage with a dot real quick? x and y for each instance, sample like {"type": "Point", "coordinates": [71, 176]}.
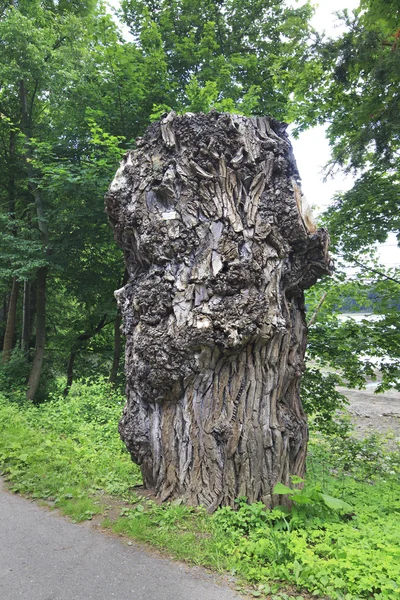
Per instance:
{"type": "Point", "coordinates": [352, 84]}
{"type": "Point", "coordinates": [66, 451]}
{"type": "Point", "coordinates": [353, 555]}
{"type": "Point", "coordinates": [203, 59]}
{"type": "Point", "coordinates": [321, 400]}
{"type": "Point", "coordinates": [13, 375]}
{"type": "Point", "coordinates": [349, 352]}
{"type": "Point", "coordinates": [311, 496]}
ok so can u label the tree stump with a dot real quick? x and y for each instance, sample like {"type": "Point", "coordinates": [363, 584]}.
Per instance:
{"type": "Point", "coordinates": [219, 244]}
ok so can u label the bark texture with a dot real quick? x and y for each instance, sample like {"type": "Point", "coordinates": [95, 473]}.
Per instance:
{"type": "Point", "coordinates": [219, 245]}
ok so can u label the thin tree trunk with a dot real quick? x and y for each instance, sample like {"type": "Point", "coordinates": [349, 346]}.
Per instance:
{"type": "Point", "coordinates": [70, 372]}
{"type": "Point", "coordinates": [117, 339]}
{"type": "Point", "coordinates": [83, 337]}
{"type": "Point", "coordinates": [12, 307]}
{"type": "Point", "coordinates": [26, 317]}
{"type": "Point", "coordinates": [37, 363]}
{"type": "Point", "coordinates": [3, 317]}
{"type": "Point", "coordinates": [11, 321]}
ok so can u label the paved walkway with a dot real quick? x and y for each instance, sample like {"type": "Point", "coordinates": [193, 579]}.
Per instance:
{"type": "Point", "coordinates": [46, 557]}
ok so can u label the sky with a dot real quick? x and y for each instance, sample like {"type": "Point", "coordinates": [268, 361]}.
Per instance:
{"type": "Point", "coordinates": [312, 150]}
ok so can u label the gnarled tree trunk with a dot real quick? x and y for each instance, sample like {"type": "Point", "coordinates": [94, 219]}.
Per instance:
{"type": "Point", "coordinates": [219, 245]}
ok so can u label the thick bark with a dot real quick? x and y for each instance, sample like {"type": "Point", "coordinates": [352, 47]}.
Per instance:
{"type": "Point", "coordinates": [37, 363]}
{"type": "Point", "coordinates": [11, 320]}
{"type": "Point", "coordinates": [219, 244]}
{"type": "Point", "coordinates": [117, 348]}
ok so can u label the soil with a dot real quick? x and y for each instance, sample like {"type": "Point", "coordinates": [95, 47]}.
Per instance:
{"type": "Point", "coordinates": [374, 413]}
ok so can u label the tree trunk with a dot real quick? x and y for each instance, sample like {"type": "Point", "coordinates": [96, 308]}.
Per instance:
{"type": "Point", "coordinates": [11, 320]}
{"type": "Point", "coordinates": [83, 337]}
{"type": "Point", "coordinates": [117, 348]}
{"type": "Point", "coordinates": [26, 317]}
{"type": "Point", "coordinates": [37, 363]}
{"type": "Point", "coordinates": [70, 372]}
{"type": "Point", "coordinates": [12, 305]}
{"type": "Point", "coordinates": [117, 340]}
{"type": "Point", "coordinates": [220, 244]}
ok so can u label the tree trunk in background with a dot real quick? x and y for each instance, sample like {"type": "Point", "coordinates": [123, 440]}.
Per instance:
{"type": "Point", "coordinates": [83, 337]}
{"type": "Point", "coordinates": [11, 320]}
{"type": "Point", "coordinates": [219, 244]}
{"type": "Point", "coordinates": [26, 317]}
{"type": "Point", "coordinates": [37, 363]}
{"type": "Point", "coordinates": [70, 372]}
{"type": "Point", "coordinates": [12, 305]}
{"type": "Point", "coordinates": [3, 317]}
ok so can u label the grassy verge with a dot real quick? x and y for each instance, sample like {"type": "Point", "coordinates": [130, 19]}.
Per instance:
{"type": "Point", "coordinates": [69, 452]}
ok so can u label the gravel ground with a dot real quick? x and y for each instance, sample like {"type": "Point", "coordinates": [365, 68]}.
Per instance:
{"type": "Point", "coordinates": [374, 413]}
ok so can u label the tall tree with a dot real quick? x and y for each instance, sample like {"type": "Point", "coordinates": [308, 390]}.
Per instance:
{"type": "Point", "coordinates": [353, 84]}
{"type": "Point", "coordinates": [201, 45]}
{"type": "Point", "coordinates": [43, 45]}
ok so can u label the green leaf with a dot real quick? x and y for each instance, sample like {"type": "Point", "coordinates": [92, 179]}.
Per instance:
{"type": "Point", "coordinates": [335, 503]}
{"type": "Point", "coordinates": [301, 499]}
{"type": "Point", "coordinates": [279, 488]}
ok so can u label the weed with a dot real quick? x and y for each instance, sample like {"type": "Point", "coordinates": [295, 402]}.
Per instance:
{"type": "Point", "coordinates": [339, 540]}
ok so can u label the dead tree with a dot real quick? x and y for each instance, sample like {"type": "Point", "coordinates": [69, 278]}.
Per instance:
{"type": "Point", "coordinates": [219, 244]}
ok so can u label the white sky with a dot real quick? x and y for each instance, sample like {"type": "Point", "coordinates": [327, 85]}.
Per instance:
{"type": "Point", "coordinates": [312, 150]}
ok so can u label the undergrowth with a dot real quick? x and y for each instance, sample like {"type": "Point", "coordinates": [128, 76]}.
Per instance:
{"type": "Point", "coordinates": [340, 540]}
{"type": "Point", "coordinates": [65, 450]}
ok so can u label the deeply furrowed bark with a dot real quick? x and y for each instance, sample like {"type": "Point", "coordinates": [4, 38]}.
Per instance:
{"type": "Point", "coordinates": [219, 244]}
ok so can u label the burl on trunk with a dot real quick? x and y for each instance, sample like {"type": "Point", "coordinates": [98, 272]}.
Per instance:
{"type": "Point", "coordinates": [219, 244]}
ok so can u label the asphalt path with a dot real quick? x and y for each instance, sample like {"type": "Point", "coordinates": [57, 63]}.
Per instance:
{"type": "Point", "coordinates": [43, 556]}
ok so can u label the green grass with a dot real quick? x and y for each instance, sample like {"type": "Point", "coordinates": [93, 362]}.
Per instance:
{"type": "Point", "coordinates": [66, 450]}
{"type": "Point", "coordinates": [69, 453]}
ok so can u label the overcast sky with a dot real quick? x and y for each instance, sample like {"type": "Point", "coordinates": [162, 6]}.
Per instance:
{"type": "Point", "coordinates": [312, 149]}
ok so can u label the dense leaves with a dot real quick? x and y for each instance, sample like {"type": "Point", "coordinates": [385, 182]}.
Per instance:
{"type": "Point", "coordinates": [200, 47]}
